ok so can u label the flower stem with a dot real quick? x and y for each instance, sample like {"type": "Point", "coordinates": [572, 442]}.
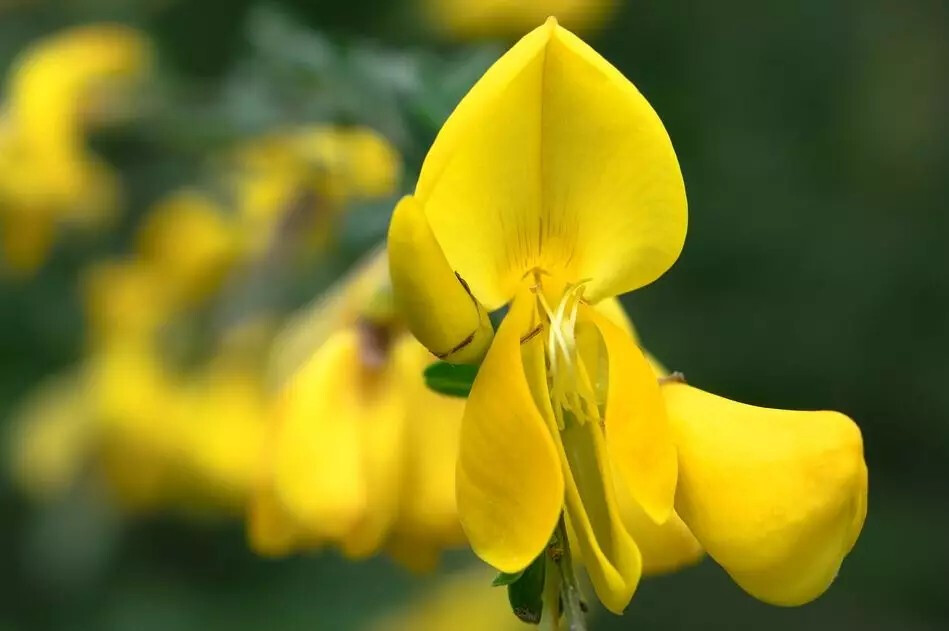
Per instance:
{"type": "Point", "coordinates": [570, 597]}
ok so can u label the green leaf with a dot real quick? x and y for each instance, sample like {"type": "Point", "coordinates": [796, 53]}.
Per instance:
{"type": "Point", "coordinates": [503, 578]}
{"type": "Point", "coordinates": [453, 380]}
{"type": "Point", "coordinates": [526, 594]}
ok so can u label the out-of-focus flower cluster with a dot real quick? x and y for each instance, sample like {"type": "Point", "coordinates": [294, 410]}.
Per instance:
{"type": "Point", "coordinates": [192, 398]}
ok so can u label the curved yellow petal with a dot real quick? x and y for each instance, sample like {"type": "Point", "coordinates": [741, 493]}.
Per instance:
{"type": "Point", "coordinates": [613, 310]}
{"type": "Point", "coordinates": [611, 557]}
{"type": "Point", "coordinates": [665, 547]}
{"type": "Point", "coordinates": [777, 497]}
{"type": "Point", "coordinates": [636, 426]}
{"type": "Point", "coordinates": [509, 485]}
{"type": "Point", "coordinates": [554, 160]}
{"type": "Point", "coordinates": [436, 302]}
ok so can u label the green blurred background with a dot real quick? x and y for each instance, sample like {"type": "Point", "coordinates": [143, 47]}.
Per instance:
{"type": "Point", "coordinates": [814, 140]}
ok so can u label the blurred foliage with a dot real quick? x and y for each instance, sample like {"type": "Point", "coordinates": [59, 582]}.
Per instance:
{"type": "Point", "coordinates": [813, 140]}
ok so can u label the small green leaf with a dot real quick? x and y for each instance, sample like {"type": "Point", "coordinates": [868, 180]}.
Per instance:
{"type": "Point", "coordinates": [503, 578]}
{"type": "Point", "coordinates": [453, 380]}
{"type": "Point", "coordinates": [526, 594]}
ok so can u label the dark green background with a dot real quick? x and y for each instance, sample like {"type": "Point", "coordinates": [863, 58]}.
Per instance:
{"type": "Point", "coordinates": [814, 139]}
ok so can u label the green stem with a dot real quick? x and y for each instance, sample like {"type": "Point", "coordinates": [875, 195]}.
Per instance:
{"type": "Point", "coordinates": [573, 610]}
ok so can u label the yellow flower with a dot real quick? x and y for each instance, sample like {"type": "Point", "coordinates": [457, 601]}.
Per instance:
{"type": "Point", "coordinates": [470, 19]}
{"type": "Point", "coordinates": [191, 243]}
{"type": "Point", "coordinates": [554, 187]}
{"type": "Point", "coordinates": [296, 182]}
{"type": "Point", "coordinates": [57, 88]}
{"type": "Point", "coordinates": [362, 453]}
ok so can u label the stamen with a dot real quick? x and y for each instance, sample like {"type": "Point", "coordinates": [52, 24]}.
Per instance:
{"type": "Point", "coordinates": [571, 390]}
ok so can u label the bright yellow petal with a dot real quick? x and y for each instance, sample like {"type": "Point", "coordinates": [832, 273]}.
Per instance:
{"type": "Point", "coordinates": [777, 497]}
{"type": "Point", "coordinates": [508, 479]}
{"type": "Point", "coordinates": [439, 308]}
{"type": "Point", "coordinates": [318, 467]}
{"type": "Point", "coordinates": [637, 428]}
{"type": "Point", "coordinates": [554, 160]}
{"type": "Point", "coordinates": [612, 309]}
{"type": "Point", "coordinates": [665, 547]}
{"type": "Point", "coordinates": [609, 553]}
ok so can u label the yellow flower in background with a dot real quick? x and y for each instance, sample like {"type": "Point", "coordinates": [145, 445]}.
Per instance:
{"type": "Point", "coordinates": [135, 402]}
{"type": "Point", "coordinates": [461, 601]}
{"type": "Point", "coordinates": [222, 422]}
{"type": "Point", "coordinates": [471, 19]}
{"type": "Point", "coordinates": [57, 89]}
{"type": "Point", "coordinates": [177, 441]}
{"type": "Point", "coordinates": [125, 301]}
{"type": "Point", "coordinates": [185, 247]}
{"type": "Point", "coordinates": [190, 242]}
{"type": "Point", "coordinates": [53, 435]}
{"type": "Point", "coordinates": [295, 183]}
{"type": "Point", "coordinates": [362, 454]}
{"type": "Point", "coordinates": [554, 187]}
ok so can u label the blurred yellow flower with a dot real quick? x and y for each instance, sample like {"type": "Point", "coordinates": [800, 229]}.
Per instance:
{"type": "Point", "coordinates": [135, 402]}
{"type": "Point", "coordinates": [177, 441]}
{"type": "Point", "coordinates": [471, 19]}
{"type": "Point", "coordinates": [553, 187]}
{"type": "Point", "coordinates": [191, 243]}
{"type": "Point", "coordinates": [125, 301]}
{"type": "Point", "coordinates": [57, 89]}
{"type": "Point", "coordinates": [362, 453]}
{"type": "Point", "coordinates": [461, 601]}
{"type": "Point", "coordinates": [294, 183]}
{"type": "Point", "coordinates": [185, 247]}
{"type": "Point", "coordinates": [222, 426]}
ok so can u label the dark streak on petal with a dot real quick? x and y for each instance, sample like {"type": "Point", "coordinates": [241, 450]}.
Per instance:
{"type": "Point", "coordinates": [465, 342]}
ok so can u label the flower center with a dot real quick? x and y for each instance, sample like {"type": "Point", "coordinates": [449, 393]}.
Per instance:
{"type": "Point", "coordinates": [572, 393]}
